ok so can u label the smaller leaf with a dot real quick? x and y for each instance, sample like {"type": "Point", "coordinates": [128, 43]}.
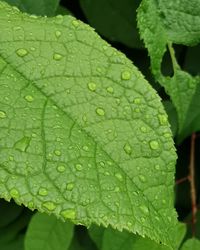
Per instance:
{"type": "Point", "coordinates": [49, 233]}
{"type": "Point", "coordinates": [191, 244]}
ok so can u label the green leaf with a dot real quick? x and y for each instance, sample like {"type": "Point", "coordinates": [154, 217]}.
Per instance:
{"type": "Point", "coordinates": [37, 7]}
{"type": "Point", "coordinates": [193, 244]}
{"type": "Point", "coordinates": [162, 23]}
{"type": "Point", "coordinates": [49, 233]}
{"type": "Point", "coordinates": [82, 133]}
{"type": "Point", "coordinates": [115, 20]}
{"type": "Point", "coordinates": [107, 239]}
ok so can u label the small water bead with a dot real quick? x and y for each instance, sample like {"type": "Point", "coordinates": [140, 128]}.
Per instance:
{"type": "Point", "coordinates": [31, 205]}
{"type": "Point", "coordinates": [167, 135]}
{"type": "Point", "coordinates": [75, 23]}
{"type": "Point", "coordinates": [22, 52]}
{"type": "Point", "coordinates": [157, 167]}
{"type": "Point", "coordinates": [102, 164]}
{"type": "Point", "coordinates": [128, 148]}
{"type": "Point", "coordinates": [57, 56]}
{"type": "Point", "coordinates": [110, 90]}
{"type": "Point", "coordinates": [85, 148]}
{"type": "Point", "coordinates": [154, 145]}
{"type": "Point", "coordinates": [23, 144]}
{"type": "Point", "coordinates": [142, 178]}
{"type": "Point", "coordinates": [84, 118]}
{"type": "Point", "coordinates": [11, 158]}
{"type": "Point", "coordinates": [162, 119]}
{"type": "Point", "coordinates": [70, 186]}
{"type": "Point", "coordinates": [49, 205]}
{"type": "Point", "coordinates": [2, 114]}
{"type": "Point", "coordinates": [92, 86]}
{"type": "Point", "coordinates": [126, 75]}
{"type": "Point", "coordinates": [117, 189]}
{"type": "Point", "coordinates": [119, 176]}
{"type": "Point", "coordinates": [61, 168]}
{"type": "Point", "coordinates": [137, 100]}
{"type": "Point", "coordinates": [68, 214]}
{"type": "Point", "coordinates": [58, 33]}
{"type": "Point", "coordinates": [42, 192]}
{"type": "Point", "coordinates": [143, 129]}
{"type": "Point", "coordinates": [79, 167]}
{"type": "Point", "coordinates": [57, 152]}
{"type": "Point", "coordinates": [14, 193]}
{"type": "Point", "coordinates": [144, 209]}
{"type": "Point", "coordinates": [100, 111]}
{"type": "Point", "coordinates": [29, 98]}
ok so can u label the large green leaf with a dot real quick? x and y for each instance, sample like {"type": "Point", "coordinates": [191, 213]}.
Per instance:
{"type": "Point", "coordinates": [82, 134]}
{"type": "Point", "coordinates": [191, 244]}
{"type": "Point", "coordinates": [49, 233]}
{"type": "Point", "coordinates": [113, 19]}
{"type": "Point", "coordinates": [107, 239]}
{"type": "Point", "coordinates": [162, 23]}
{"type": "Point", "coordinates": [37, 7]}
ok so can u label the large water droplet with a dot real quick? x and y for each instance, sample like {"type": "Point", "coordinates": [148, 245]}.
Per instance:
{"type": "Point", "coordinates": [70, 186]}
{"type": "Point", "coordinates": [22, 52]}
{"type": "Point", "coordinates": [22, 144]}
{"type": "Point", "coordinates": [127, 148]}
{"type": "Point", "coordinates": [100, 111]}
{"type": "Point", "coordinates": [42, 192]}
{"type": "Point", "coordinates": [29, 98]}
{"type": "Point", "coordinates": [14, 193]}
{"type": "Point", "coordinates": [2, 115]}
{"type": "Point", "coordinates": [49, 205]}
{"type": "Point", "coordinates": [79, 167]}
{"type": "Point", "coordinates": [57, 56]}
{"type": "Point", "coordinates": [68, 214]}
{"type": "Point", "coordinates": [154, 145]}
{"type": "Point", "coordinates": [92, 86]}
{"type": "Point", "coordinates": [126, 75]}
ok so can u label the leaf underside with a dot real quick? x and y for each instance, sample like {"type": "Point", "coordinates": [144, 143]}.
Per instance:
{"type": "Point", "coordinates": [82, 134]}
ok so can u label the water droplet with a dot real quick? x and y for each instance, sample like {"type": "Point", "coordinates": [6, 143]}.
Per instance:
{"type": "Point", "coordinates": [22, 144]}
{"type": "Point", "coordinates": [143, 219]}
{"type": "Point", "coordinates": [157, 167]}
{"type": "Point", "coordinates": [42, 192]}
{"type": "Point", "coordinates": [70, 186]}
{"type": "Point", "coordinates": [57, 152]}
{"type": "Point", "coordinates": [137, 110]}
{"type": "Point", "coordinates": [129, 224]}
{"type": "Point", "coordinates": [68, 214]}
{"type": "Point", "coordinates": [58, 33]}
{"type": "Point", "coordinates": [154, 145]}
{"type": "Point", "coordinates": [49, 205]}
{"type": "Point", "coordinates": [11, 158]}
{"type": "Point", "coordinates": [127, 148]}
{"type": "Point", "coordinates": [144, 209]}
{"type": "Point", "coordinates": [126, 75]}
{"type": "Point", "coordinates": [143, 129]}
{"type": "Point", "coordinates": [92, 86]}
{"type": "Point", "coordinates": [101, 163]}
{"type": "Point", "coordinates": [110, 90]}
{"type": "Point", "coordinates": [14, 193]}
{"type": "Point", "coordinates": [117, 189]}
{"type": "Point", "coordinates": [137, 100]}
{"type": "Point", "coordinates": [164, 201]}
{"type": "Point", "coordinates": [142, 178]}
{"type": "Point", "coordinates": [119, 176]}
{"type": "Point", "coordinates": [2, 115]}
{"type": "Point", "coordinates": [61, 168]}
{"type": "Point", "coordinates": [167, 135]}
{"type": "Point", "coordinates": [75, 23]}
{"type": "Point", "coordinates": [79, 167]}
{"type": "Point", "coordinates": [162, 119]}
{"type": "Point", "coordinates": [100, 111]}
{"type": "Point", "coordinates": [22, 52]}
{"type": "Point", "coordinates": [29, 98]}
{"type": "Point", "coordinates": [31, 205]}
{"type": "Point", "coordinates": [57, 57]}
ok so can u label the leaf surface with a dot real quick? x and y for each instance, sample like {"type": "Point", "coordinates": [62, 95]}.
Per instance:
{"type": "Point", "coordinates": [161, 24]}
{"type": "Point", "coordinates": [82, 134]}
{"type": "Point", "coordinates": [193, 244]}
{"type": "Point", "coordinates": [49, 233]}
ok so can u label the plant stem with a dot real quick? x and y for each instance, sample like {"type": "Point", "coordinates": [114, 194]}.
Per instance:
{"type": "Point", "coordinates": [175, 64]}
{"type": "Point", "coordinates": [179, 181]}
{"type": "Point", "coordinates": [192, 182]}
